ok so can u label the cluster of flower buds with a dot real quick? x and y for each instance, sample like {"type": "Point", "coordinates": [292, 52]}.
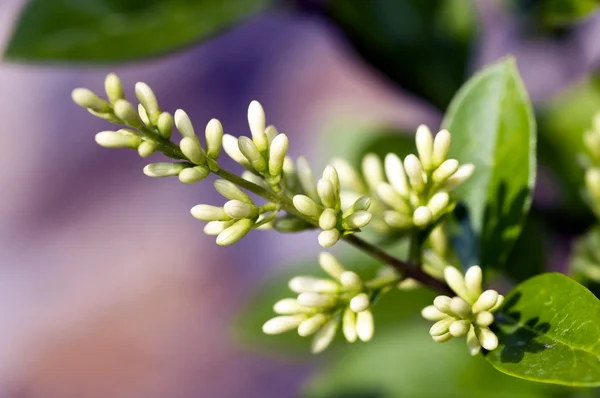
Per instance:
{"type": "Point", "coordinates": [470, 313]}
{"type": "Point", "coordinates": [416, 191]}
{"type": "Point", "coordinates": [149, 130]}
{"type": "Point", "coordinates": [322, 204]}
{"type": "Point", "coordinates": [591, 139]}
{"type": "Point", "coordinates": [323, 304]}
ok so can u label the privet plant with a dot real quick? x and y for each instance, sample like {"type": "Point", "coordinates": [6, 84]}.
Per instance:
{"type": "Point", "coordinates": [546, 329]}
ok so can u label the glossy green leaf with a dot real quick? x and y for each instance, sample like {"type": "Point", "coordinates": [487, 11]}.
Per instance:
{"type": "Point", "coordinates": [549, 331]}
{"type": "Point", "coordinates": [405, 362]}
{"type": "Point", "coordinates": [119, 30]}
{"type": "Point", "coordinates": [493, 127]}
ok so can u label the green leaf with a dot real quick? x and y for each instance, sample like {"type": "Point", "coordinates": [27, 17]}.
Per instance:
{"type": "Point", "coordinates": [549, 331]}
{"type": "Point", "coordinates": [548, 14]}
{"type": "Point", "coordinates": [493, 126]}
{"type": "Point", "coordinates": [119, 30]}
{"type": "Point", "coordinates": [405, 362]}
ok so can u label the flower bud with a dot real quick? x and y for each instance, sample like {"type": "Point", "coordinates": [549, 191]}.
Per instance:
{"type": "Point", "coordinates": [498, 304]}
{"type": "Point", "coordinates": [325, 336]}
{"type": "Point", "coordinates": [365, 325]}
{"type": "Point", "coordinates": [461, 175]}
{"type": "Point", "coordinates": [118, 139]}
{"type": "Point", "coordinates": [113, 88]}
{"type": "Point", "coordinates": [147, 148]}
{"type": "Point", "coordinates": [234, 233]}
{"type": "Point", "coordinates": [456, 282]}
{"type": "Point", "coordinates": [330, 174]}
{"type": "Point", "coordinates": [442, 303]}
{"type": "Point", "coordinates": [146, 96]}
{"type": "Point", "coordinates": [392, 198]}
{"type": "Point", "coordinates": [441, 327]}
{"type": "Point", "coordinates": [591, 140]}
{"type": "Point", "coordinates": [231, 191]}
{"type": "Point", "coordinates": [256, 121]}
{"type": "Point", "coordinates": [287, 224]}
{"type": "Point", "coordinates": [307, 206]}
{"type": "Point", "coordinates": [362, 203]}
{"type": "Point", "coordinates": [460, 307]}
{"type": "Point", "coordinates": [441, 145]}
{"type": "Point", "coordinates": [397, 220]}
{"type": "Point", "coordinates": [214, 138]}
{"type": "Point", "coordinates": [349, 325]}
{"type": "Point", "coordinates": [348, 176]}
{"type": "Point", "coordinates": [126, 112]}
{"type": "Point", "coordinates": [316, 300]}
{"type": "Point", "coordinates": [484, 318]}
{"type": "Point", "coordinates": [209, 213]}
{"type": "Point", "coordinates": [192, 175]}
{"type": "Point", "coordinates": [459, 328]}
{"type": "Point", "coordinates": [360, 303]}
{"type": "Point", "coordinates": [301, 284]}
{"type": "Point", "coordinates": [372, 170]}
{"type": "Point", "coordinates": [165, 124]}
{"type": "Point", "coordinates": [472, 343]}
{"type": "Point", "coordinates": [164, 169]}
{"type": "Point", "coordinates": [277, 152]}
{"type": "Point", "coordinates": [271, 133]}
{"type": "Point", "coordinates": [216, 227]}
{"type": "Point", "coordinates": [396, 175]}
{"type": "Point", "coordinates": [237, 209]}
{"type": "Point", "coordinates": [432, 314]}
{"type": "Point", "coordinates": [143, 115]}
{"type": "Point", "coordinates": [414, 171]}
{"type": "Point", "coordinates": [444, 171]}
{"type": "Point", "coordinates": [438, 204]}
{"type": "Point", "coordinates": [422, 216]}
{"type": "Point", "coordinates": [357, 220]}
{"type": "Point", "coordinates": [487, 338]}
{"type": "Point", "coordinates": [311, 325]}
{"type": "Point", "coordinates": [473, 281]}
{"type": "Point", "coordinates": [184, 124]}
{"type": "Point", "coordinates": [191, 148]}
{"type": "Point", "coordinates": [329, 237]}
{"type": "Point", "coordinates": [486, 301]}
{"type": "Point", "coordinates": [251, 153]}
{"type": "Point", "coordinates": [424, 141]}
{"type": "Point", "coordinates": [330, 265]}
{"type": "Point", "coordinates": [326, 193]}
{"type": "Point", "coordinates": [351, 281]}
{"type": "Point", "coordinates": [442, 338]}
{"type": "Point", "coordinates": [88, 99]}
{"type": "Point", "coordinates": [230, 145]}
{"type": "Point", "coordinates": [289, 306]}
{"type": "Point", "coordinates": [306, 177]}
{"type": "Point", "coordinates": [283, 323]}
{"type": "Point", "coordinates": [328, 219]}
{"type": "Point", "coordinates": [592, 181]}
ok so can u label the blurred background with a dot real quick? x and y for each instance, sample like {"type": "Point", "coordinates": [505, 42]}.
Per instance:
{"type": "Point", "coordinates": [109, 288]}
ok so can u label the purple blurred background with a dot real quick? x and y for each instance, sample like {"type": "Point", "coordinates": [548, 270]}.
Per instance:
{"type": "Point", "coordinates": [108, 288]}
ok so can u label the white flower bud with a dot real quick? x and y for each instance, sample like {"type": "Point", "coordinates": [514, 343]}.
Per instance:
{"type": "Point", "coordinates": [256, 121]}
{"type": "Point", "coordinates": [307, 206]}
{"type": "Point", "coordinates": [422, 216]}
{"type": "Point", "coordinates": [126, 112]}
{"type": "Point", "coordinates": [113, 88]}
{"type": "Point", "coordinates": [487, 338]}
{"type": "Point", "coordinates": [456, 281]}
{"type": "Point", "coordinates": [394, 170]}
{"type": "Point", "coordinates": [463, 173]}
{"type": "Point", "coordinates": [277, 152]}
{"type": "Point", "coordinates": [289, 306]}
{"type": "Point", "coordinates": [191, 148]}
{"type": "Point", "coordinates": [444, 171]}
{"type": "Point", "coordinates": [311, 325]}
{"type": "Point", "coordinates": [327, 193]}
{"type": "Point", "coordinates": [472, 342]}
{"type": "Point", "coordinates": [438, 204]}
{"type": "Point", "coordinates": [230, 145]}
{"type": "Point", "coordinates": [216, 227]}
{"type": "Point", "coordinates": [147, 148]}
{"type": "Point", "coordinates": [283, 323]}
{"type": "Point", "coordinates": [459, 328]}
{"type": "Point", "coordinates": [351, 281]}
{"type": "Point", "coordinates": [442, 338]}
{"type": "Point", "coordinates": [348, 176]}
{"type": "Point", "coordinates": [441, 145]}
{"type": "Point", "coordinates": [592, 181]}
{"type": "Point", "coordinates": [234, 233]}
{"type": "Point", "coordinates": [441, 327]}
{"type": "Point", "coordinates": [473, 281]}
{"type": "Point", "coordinates": [392, 198]}
{"type": "Point", "coordinates": [347, 199]}
{"type": "Point", "coordinates": [253, 178]}
{"type": "Point", "coordinates": [164, 124]}
{"type": "Point", "coordinates": [362, 203]}
{"type": "Point", "coordinates": [214, 138]}
{"type": "Point", "coordinates": [424, 141]}
{"type": "Point", "coordinates": [271, 133]}
{"type": "Point", "coordinates": [484, 318]}
{"type": "Point", "coordinates": [486, 301]}
{"type": "Point", "coordinates": [372, 170]}
{"type": "Point", "coordinates": [330, 265]}
{"type": "Point", "coordinates": [397, 220]}
{"type": "Point", "coordinates": [349, 325]}
{"type": "Point", "coordinates": [591, 140]}
{"type": "Point", "coordinates": [146, 96]}
{"type": "Point", "coordinates": [251, 152]}
{"type": "Point", "coordinates": [432, 314]}
{"type": "Point", "coordinates": [302, 284]}
{"type": "Point", "coordinates": [328, 219]}
{"type": "Point", "coordinates": [118, 139]}
{"type": "Point", "coordinates": [325, 336]}
{"type": "Point", "coordinates": [498, 304]}
{"type": "Point", "coordinates": [164, 169]}
{"type": "Point", "coordinates": [460, 307]}
{"type": "Point", "coordinates": [237, 209]}
{"type": "Point", "coordinates": [209, 213]}
{"type": "Point", "coordinates": [414, 171]}
{"type": "Point", "coordinates": [306, 177]}
{"type": "Point", "coordinates": [88, 99]}
{"type": "Point", "coordinates": [330, 174]}
{"type": "Point", "coordinates": [329, 237]}
{"type": "Point", "coordinates": [408, 284]}
{"type": "Point", "coordinates": [442, 303]}
{"type": "Point", "coordinates": [365, 325]}
{"type": "Point", "coordinates": [357, 220]}
{"type": "Point", "coordinates": [231, 191]}
{"type": "Point", "coordinates": [144, 115]}
{"type": "Point", "coordinates": [360, 303]}
{"type": "Point", "coordinates": [184, 124]}
{"type": "Point", "coordinates": [316, 300]}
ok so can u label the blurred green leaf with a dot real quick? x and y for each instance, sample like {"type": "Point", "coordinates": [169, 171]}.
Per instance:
{"type": "Point", "coordinates": [423, 45]}
{"type": "Point", "coordinates": [551, 13]}
{"type": "Point", "coordinates": [493, 126]}
{"type": "Point", "coordinates": [405, 362]}
{"type": "Point", "coordinates": [119, 30]}
{"type": "Point", "coordinates": [549, 331]}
